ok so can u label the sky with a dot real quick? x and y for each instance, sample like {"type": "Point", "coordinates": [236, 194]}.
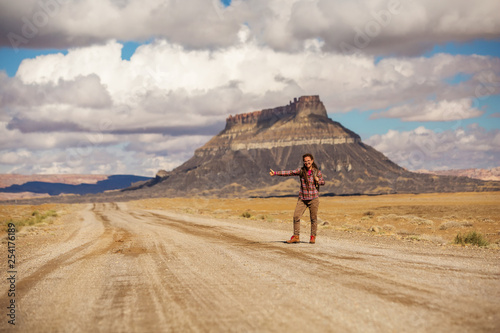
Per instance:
{"type": "Point", "coordinates": [134, 86]}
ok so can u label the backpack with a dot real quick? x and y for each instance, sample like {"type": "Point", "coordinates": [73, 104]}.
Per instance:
{"type": "Point", "coordinates": [315, 174]}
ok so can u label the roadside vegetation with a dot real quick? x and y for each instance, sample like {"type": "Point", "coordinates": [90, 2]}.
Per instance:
{"type": "Point", "coordinates": [35, 218]}
{"type": "Point", "coordinates": [246, 215]}
{"type": "Point", "coordinates": [473, 238]}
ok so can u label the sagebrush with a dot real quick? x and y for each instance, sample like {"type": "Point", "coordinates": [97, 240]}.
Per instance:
{"type": "Point", "coordinates": [473, 237]}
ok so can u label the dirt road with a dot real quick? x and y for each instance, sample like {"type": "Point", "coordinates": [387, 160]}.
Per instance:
{"type": "Point", "coordinates": [112, 269]}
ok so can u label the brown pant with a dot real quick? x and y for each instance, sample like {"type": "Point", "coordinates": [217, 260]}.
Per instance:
{"type": "Point", "coordinates": [313, 206]}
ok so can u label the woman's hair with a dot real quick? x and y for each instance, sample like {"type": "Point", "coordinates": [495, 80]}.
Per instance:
{"type": "Point", "coordinates": [303, 170]}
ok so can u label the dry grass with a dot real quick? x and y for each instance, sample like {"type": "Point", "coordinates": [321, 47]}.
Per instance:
{"type": "Point", "coordinates": [30, 215]}
{"type": "Point", "coordinates": [436, 218]}
{"type": "Point", "coordinates": [472, 237]}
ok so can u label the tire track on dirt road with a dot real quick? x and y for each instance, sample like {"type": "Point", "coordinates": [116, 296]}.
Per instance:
{"type": "Point", "coordinates": [371, 282]}
{"type": "Point", "coordinates": [25, 284]}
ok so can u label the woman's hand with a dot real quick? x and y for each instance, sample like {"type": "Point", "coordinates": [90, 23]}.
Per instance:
{"type": "Point", "coordinates": [272, 172]}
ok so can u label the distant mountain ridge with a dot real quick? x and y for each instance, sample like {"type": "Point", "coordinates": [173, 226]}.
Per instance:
{"type": "Point", "coordinates": [483, 174]}
{"type": "Point", "coordinates": [99, 183]}
{"type": "Point", "coordinates": [17, 179]}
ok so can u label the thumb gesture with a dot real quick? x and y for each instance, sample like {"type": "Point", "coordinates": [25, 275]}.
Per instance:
{"type": "Point", "coordinates": [272, 173]}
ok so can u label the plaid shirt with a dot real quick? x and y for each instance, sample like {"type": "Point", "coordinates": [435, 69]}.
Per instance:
{"type": "Point", "coordinates": [307, 191]}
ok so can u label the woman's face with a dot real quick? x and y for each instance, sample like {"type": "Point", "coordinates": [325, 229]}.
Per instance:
{"type": "Point", "coordinates": [308, 162]}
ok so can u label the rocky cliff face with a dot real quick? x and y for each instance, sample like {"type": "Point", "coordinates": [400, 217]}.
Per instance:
{"type": "Point", "coordinates": [238, 159]}
{"type": "Point", "coordinates": [302, 122]}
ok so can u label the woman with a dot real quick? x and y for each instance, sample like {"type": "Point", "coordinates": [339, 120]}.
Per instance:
{"type": "Point", "coordinates": [310, 180]}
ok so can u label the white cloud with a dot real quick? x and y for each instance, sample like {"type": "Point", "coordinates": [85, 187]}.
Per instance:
{"type": "Point", "coordinates": [63, 23]}
{"type": "Point", "coordinates": [161, 70]}
{"type": "Point", "coordinates": [47, 140]}
{"type": "Point", "coordinates": [367, 26]}
{"type": "Point", "coordinates": [99, 160]}
{"type": "Point", "coordinates": [168, 100]}
{"type": "Point", "coordinates": [156, 143]}
{"type": "Point", "coordinates": [81, 91]}
{"type": "Point", "coordinates": [373, 27]}
{"type": "Point", "coordinates": [432, 111]}
{"type": "Point", "coordinates": [15, 157]}
{"type": "Point", "coordinates": [473, 147]}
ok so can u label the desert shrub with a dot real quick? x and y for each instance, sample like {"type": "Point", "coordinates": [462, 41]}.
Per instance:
{"type": "Point", "coordinates": [246, 215]}
{"type": "Point", "coordinates": [35, 218]}
{"type": "Point", "coordinates": [266, 218]}
{"type": "Point", "coordinates": [473, 237]}
{"type": "Point", "coordinates": [18, 223]}
{"type": "Point", "coordinates": [419, 221]}
{"type": "Point", "coordinates": [51, 213]}
{"type": "Point", "coordinates": [453, 224]}
{"type": "Point", "coordinates": [449, 224]}
{"type": "Point", "coordinates": [6, 225]}
{"type": "Point", "coordinates": [433, 239]}
{"type": "Point", "coordinates": [270, 218]}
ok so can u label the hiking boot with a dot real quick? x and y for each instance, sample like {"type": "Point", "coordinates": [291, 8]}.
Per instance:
{"type": "Point", "coordinates": [294, 239]}
{"type": "Point", "coordinates": [313, 240]}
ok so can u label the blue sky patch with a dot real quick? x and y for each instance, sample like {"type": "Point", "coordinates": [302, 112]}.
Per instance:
{"type": "Point", "coordinates": [480, 47]}
{"type": "Point", "coordinates": [10, 59]}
